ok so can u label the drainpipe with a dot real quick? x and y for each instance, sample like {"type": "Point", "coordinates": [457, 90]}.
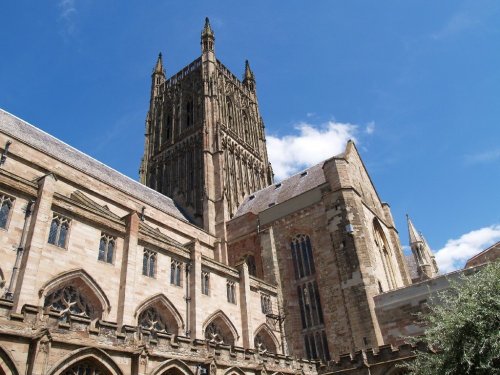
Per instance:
{"type": "Point", "coordinates": [22, 243]}
{"type": "Point", "coordinates": [188, 300]}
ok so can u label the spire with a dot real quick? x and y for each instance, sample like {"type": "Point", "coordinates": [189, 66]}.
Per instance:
{"type": "Point", "coordinates": [207, 29]}
{"type": "Point", "coordinates": [159, 66]}
{"type": "Point", "coordinates": [248, 71]}
{"type": "Point", "coordinates": [207, 37]}
{"type": "Point", "coordinates": [415, 236]}
{"type": "Point", "coordinates": [249, 78]}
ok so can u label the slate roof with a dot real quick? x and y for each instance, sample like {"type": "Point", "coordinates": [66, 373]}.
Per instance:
{"type": "Point", "coordinates": [283, 191]}
{"type": "Point", "coordinates": [38, 139]}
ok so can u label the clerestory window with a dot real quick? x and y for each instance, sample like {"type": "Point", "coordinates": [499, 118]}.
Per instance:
{"type": "Point", "coordinates": [149, 263]}
{"type": "Point", "coordinates": [106, 248]}
{"type": "Point", "coordinates": [175, 272]}
{"type": "Point", "coordinates": [231, 291]}
{"type": "Point", "coordinates": [205, 282]}
{"type": "Point", "coordinates": [59, 229]}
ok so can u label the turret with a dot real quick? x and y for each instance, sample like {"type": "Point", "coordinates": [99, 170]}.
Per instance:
{"type": "Point", "coordinates": [249, 78]}
{"type": "Point", "coordinates": [207, 38]}
{"type": "Point", "coordinates": [424, 258]}
{"type": "Point", "coordinates": [157, 77]}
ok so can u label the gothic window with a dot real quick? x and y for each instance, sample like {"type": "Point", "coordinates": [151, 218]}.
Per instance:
{"type": "Point", "coordinates": [6, 203]}
{"type": "Point", "coordinates": [316, 345]}
{"type": "Point", "coordinates": [230, 112]}
{"type": "Point", "coordinates": [231, 291]}
{"type": "Point", "coordinates": [168, 127]}
{"type": "Point", "coordinates": [175, 272]}
{"type": "Point", "coordinates": [266, 304]}
{"type": "Point", "coordinates": [151, 319]}
{"type": "Point", "coordinates": [69, 300]}
{"type": "Point", "coordinates": [302, 257]}
{"type": "Point", "coordinates": [85, 368]}
{"type": "Point", "coordinates": [189, 113]}
{"type": "Point", "coordinates": [246, 129]}
{"type": "Point", "coordinates": [149, 263]}
{"type": "Point", "coordinates": [252, 268]}
{"type": "Point", "coordinates": [59, 228]}
{"type": "Point", "coordinates": [214, 334]}
{"type": "Point", "coordinates": [106, 248]}
{"type": "Point", "coordinates": [310, 304]}
{"type": "Point", "coordinates": [205, 282]}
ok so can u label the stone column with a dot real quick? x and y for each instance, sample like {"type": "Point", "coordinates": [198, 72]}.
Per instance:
{"type": "Point", "coordinates": [126, 303]}
{"type": "Point", "coordinates": [245, 308]}
{"type": "Point", "coordinates": [26, 291]}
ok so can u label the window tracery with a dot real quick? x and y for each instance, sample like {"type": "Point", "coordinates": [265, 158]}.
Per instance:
{"type": "Point", "coordinates": [85, 368]}
{"type": "Point", "coordinates": [106, 248]}
{"type": "Point", "coordinates": [151, 319]}
{"type": "Point", "coordinates": [175, 272]}
{"type": "Point", "coordinates": [149, 263]}
{"type": "Point", "coordinates": [68, 300]}
{"type": "Point", "coordinates": [59, 228]}
{"type": "Point", "coordinates": [214, 334]}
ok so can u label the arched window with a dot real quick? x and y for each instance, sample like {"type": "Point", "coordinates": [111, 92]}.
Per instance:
{"type": "Point", "coordinates": [189, 112]}
{"type": "Point", "coordinates": [230, 112]}
{"type": "Point", "coordinates": [175, 272]}
{"type": "Point", "coordinates": [303, 261]}
{"type": "Point", "coordinates": [106, 248]}
{"type": "Point", "coordinates": [246, 128]}
{"type": "Point", "coordinates": [205, 282]}
{"type": "Point", "coordinates": [5, 209]}
{"type": "Point", "coordinates": [59, 228]}
{"type": "Point", "coordinates": [69, 301]}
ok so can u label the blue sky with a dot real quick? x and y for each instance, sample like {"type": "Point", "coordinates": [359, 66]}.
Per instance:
{"type": "Point", "coordinates": [415, 83]}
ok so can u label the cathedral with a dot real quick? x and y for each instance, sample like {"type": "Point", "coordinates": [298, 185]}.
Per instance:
{"type": "Point", "coordinates": [205, 265]}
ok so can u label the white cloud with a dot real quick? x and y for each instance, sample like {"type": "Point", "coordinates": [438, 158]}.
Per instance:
{"type": "Point", "coordinates": [483, 157]}
{"type": "Point", "coordinates": [456, 251]}
{"type": "Point", "coordinates": [370, 128]}
{"type": "Point", "coordinates": [67, 13]}
{"type": "Point", "coordinates": [292, 153]}
{"type": "Point", "coordinates": [459, 22]}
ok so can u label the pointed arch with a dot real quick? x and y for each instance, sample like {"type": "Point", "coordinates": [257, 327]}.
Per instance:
{"type": "Point", "coordinates": [234, 371]}
{"type": "Point", "coordinates": [172, 364]}
{"type": "Point", "coordinates": [173, 318]}
{"type": "Point", "coordinates": [98, 356]}
{"type": "Point", "coordinates": [7, 363]}
{"type": "Point", "coordinates": [224, 323]}
{"type": "Point", "coordinates": [269, 339]}
{"type": "Point", "coordinates": [80, 279]}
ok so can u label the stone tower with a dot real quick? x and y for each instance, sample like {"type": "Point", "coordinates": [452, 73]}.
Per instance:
{"type": "Point", "coordinates": [204, 144]}
{"type": "Point", "coordinates": [424, 258]}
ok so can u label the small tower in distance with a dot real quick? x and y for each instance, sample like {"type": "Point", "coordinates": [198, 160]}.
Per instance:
{"type": "Point", "coordinates": [424, 258]}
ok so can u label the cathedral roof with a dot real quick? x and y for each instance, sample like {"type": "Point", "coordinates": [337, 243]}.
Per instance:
{"type": "Point", "coordinates": [38, 139]}
{"type": "Point", "coordinates": [283, 191]}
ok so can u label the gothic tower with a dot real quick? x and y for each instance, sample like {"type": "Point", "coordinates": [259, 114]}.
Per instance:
{"type": "Point", "coordinates": [424, 258]}
{"type": "Point", "coordinates": [205, 145]}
